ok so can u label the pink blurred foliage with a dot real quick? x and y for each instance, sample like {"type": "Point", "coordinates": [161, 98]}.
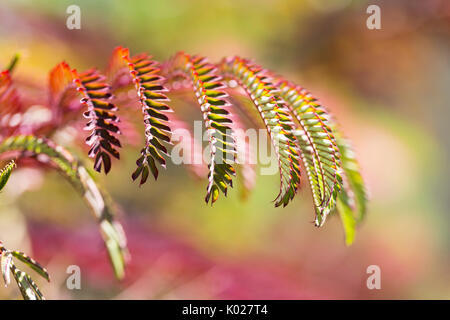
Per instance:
{"type": "Point", "coordinates": [162, 264]}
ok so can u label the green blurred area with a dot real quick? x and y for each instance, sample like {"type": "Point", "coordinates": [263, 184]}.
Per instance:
{"type": "Point", "coordinates": [388, 89]}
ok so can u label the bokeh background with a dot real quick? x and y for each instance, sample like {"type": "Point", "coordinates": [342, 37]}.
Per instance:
{"type": "Point", "coordinates": [388, 88]}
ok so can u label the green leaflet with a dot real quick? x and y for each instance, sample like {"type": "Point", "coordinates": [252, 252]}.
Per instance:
{"type": "Point", "coordinates": [320, 152]}
{"type": "Point", "coordinates": [5, 173]}
{"type": "Point", "coordinates": [326, 156]}
{"type": "Point", "coordinates": [207, 86]}
{"type": "Point", "coordinates": [277, 121]}
{"type": "Point", "coordinates": [78, 176]}
{"type": "Point", "coordinates": [27, 287]}
{"type": "Point", "coordinates": [33, 264]}
{"type": "Point", "coordinates": [33, 285]}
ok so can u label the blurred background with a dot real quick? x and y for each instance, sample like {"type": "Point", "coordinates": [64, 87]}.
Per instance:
{"type": "Point", "coordinates": [388, 89]}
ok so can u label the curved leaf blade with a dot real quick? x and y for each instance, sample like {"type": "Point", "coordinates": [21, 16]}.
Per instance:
{"type": "Point", "coordinates": [26, 287]}
{"type": "Point", "coordinates": [218, 124]}
{"type": "Point", "coordinates": [33, 264]}
{"type": "Point", "coordinates": [320, 152]}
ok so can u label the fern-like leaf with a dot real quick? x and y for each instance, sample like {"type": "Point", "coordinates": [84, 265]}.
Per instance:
{"type": "Point", "coordinates": [327, 157]}
{"type": "Point", "coordinates": [78, 176]}
{"type": "Point", "coordinates": [320, 152]}
{"type": "Point", "coordinates": [277, 120]}
{"type": "Point", "coordinates": [102, 120]}
{"type": "Point", "coordinates": [148, 82]}
{"type": "Point", "coordinates": [64, 83]}
{"type": "Point", "coordinates": [211, 98]}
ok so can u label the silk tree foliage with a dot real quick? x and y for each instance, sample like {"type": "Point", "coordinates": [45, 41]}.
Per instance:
{"type": "Point", "coordinates": [308, 144]}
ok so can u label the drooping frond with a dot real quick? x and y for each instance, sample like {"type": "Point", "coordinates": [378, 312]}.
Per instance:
{"type": "Point", "coordinates": [144, 72]}
{"type": "Point", "coordinates": [47, 152]}
{"type": "Point", "coordinates": [5, 173]}
{"type": "Point", "coordinates": [148, 82]}
{"type": "Point", "coordinates": [102, 120]}
{"type": "Point", "coordinates": [320, 152]}
{"type": "Point", "coordinates": [336, 158]}
{"type": "Point", "coordinates": [208, 87]}
{"type": "Point", "coordinates": [96, 96]}
{"type": "Point", "coordinates": [277, 120]}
